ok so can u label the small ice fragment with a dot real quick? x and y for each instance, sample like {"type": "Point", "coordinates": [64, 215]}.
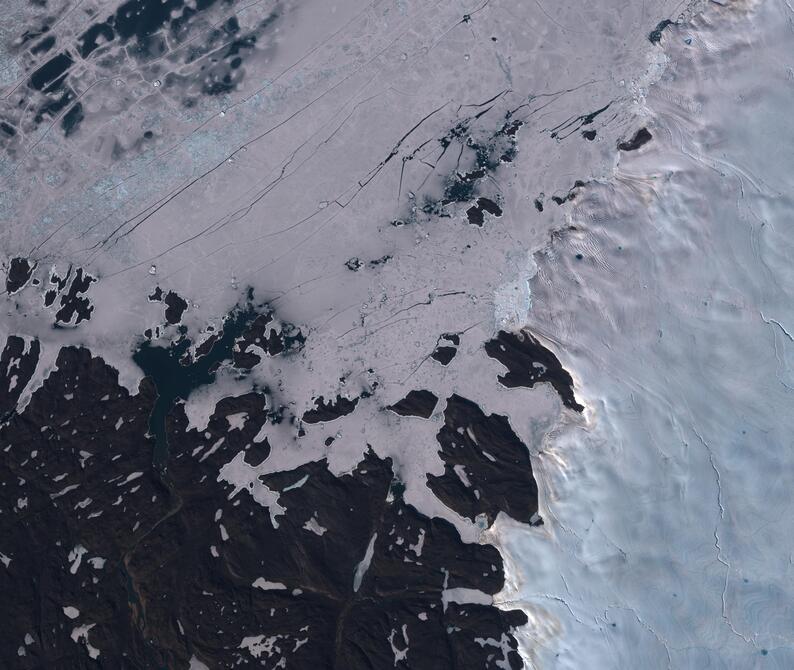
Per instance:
{"type": "Point", "coordinates": [81, 633]}
{"type": "Point", "coordinates": [76, 557]}
{"type": "Point", "coordinates": [363, 566]}
{"type": "Point", "coordinates": [262, 583]}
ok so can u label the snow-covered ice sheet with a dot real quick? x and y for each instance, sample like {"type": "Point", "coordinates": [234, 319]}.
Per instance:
{"type": "Point", "coordinates": [669, 535]}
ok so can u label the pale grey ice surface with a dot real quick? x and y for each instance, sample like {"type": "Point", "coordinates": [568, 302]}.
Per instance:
{"type": "Point", "coordinates": [296, 181]}
{"type": "Point", "coordinates": [667, 508]}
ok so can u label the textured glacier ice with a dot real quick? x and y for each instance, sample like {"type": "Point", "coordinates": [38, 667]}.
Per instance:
{"type": "Point", "coordinates": [668, 542]}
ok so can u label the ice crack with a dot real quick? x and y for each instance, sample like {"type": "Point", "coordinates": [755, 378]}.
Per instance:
{"type": "Point", "coordinates": [717, 544]}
